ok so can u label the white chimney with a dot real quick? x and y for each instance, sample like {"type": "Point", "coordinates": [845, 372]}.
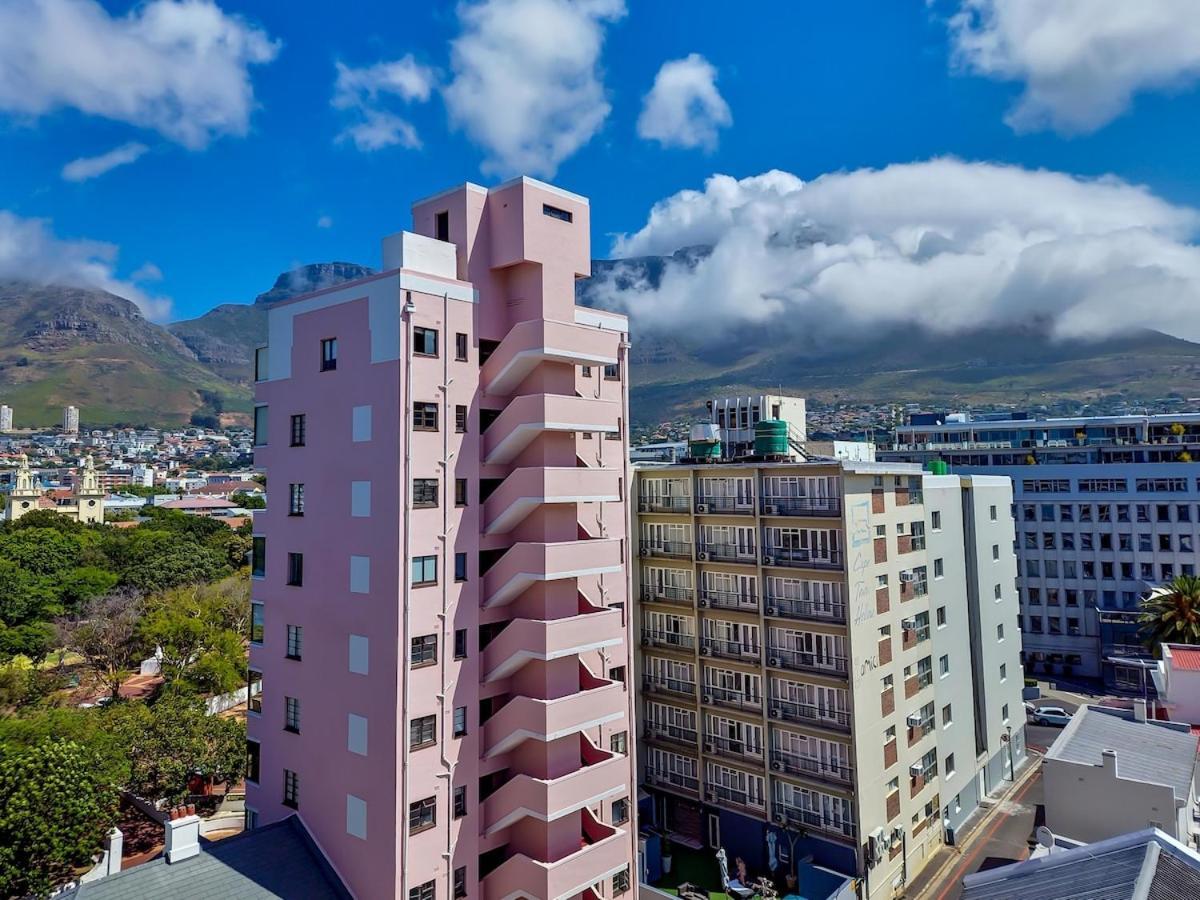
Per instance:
{"type": "Point", "coordinates": [1139, 710]}
{"type": "Point", "coordinates": [1108, 759]}
{"type": "Point", "coordinates": [114, 847]}
{"type": "Point", "coordinates": [183, 834]}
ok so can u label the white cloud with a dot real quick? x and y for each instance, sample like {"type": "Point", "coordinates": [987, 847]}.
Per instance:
{"type": "Point", "coordinates": [526, 83]}
{"type": "Point", "coordinates": [30, 251]}
{"type": "Point", "coordinates": [1081, 61]}
{"type": "Point", "coordinates": [684, 107]}
{"type": "Point", "coordinates": [87, 167]}
{"type": "Point", "coordinates": [363, 92]}
{"type": "Point", "coordinates": [324, 222]}
{"type": "Point", "coordinates": [147, 272]}
{"type": "Point", "coordinates": [945, 245]}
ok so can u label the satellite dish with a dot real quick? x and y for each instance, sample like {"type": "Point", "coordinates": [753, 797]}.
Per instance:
{"type": "Point", "coordinates": [1045, 837]}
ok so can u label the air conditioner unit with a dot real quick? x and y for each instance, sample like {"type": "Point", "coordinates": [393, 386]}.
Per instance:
{"type": "Point", "coordinates": [885, 840]}
{"type": "Point", "coordinates": [916, 770]}
{"type": "Point", "coordinates": [702, 556]}
{"type": "Point", "coordinates": [776, 712]}
{"type": "Point", "coordinates": [708, 698]}
{"type": "Point", "coordinates": [768, 560]}
{"type": "Point", "coordinates": [644, 551]}
{"type": "Point", "coordinates": [780, 818]}
{"type": "Point", "coordinates": [709, 746]}
{"type": "Point", "coordinates": [777, 765]}
{"type": "Point", "coordinates": [773, 661]}
{"type": "Point", "coordinates": [908, 624]}
{"type": "Point", "coordinates": [651, 686]}
{"type": "Point", "coordinates": [772, 509]}
{"type": "Point", "coordinates": [702, 603]}
{"type": "Point", "coordinates": [772, 610]}
{"type": "Point", "coordinates": [645, 641]}
{"type": "Point", "coordinates": [914, 720]}
{"type": "Point", "coordinates": [701, 507]}
{"type": "Point", "coordinates": [908, 576]}
{"type": "Point", "coordinates": [706, 651]}
{"type": "Point", "coordinates": [898, 833]}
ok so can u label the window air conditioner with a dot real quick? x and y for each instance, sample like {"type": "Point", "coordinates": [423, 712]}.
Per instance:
{"type": "Point", "coordinates": [776, 712]}
{"type": "Point", "coordinates": [915, 770]}
{"type": "Point", "coordinates": [702, 556]}
{"type": "Point", "coordinates": [772, 509]}
{"type": "Point", "coordinates": [914, 720]}
{"type": "Point", "coordinates": [701, 507]}
{"type": "Point", "coordinates": [773, 661]}
{"type": "Point", "coordinates": [908, 624]}
{"type": "Point", "coordinates": [908, 576]}
{"type": "Point", "coordinates": [768, 561]}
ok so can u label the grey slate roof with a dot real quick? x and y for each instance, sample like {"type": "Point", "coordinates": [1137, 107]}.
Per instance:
{"type": "Point", "coordinates": [1149, 751]}
{"type": "Point", "coordinates": [1142, 865]}
{"type": "Point", "coordinates": [278, 860]}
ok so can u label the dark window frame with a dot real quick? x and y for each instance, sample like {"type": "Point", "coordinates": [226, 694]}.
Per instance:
{"type": "Point", "coordinates": [422, 651]}
{"type": "Point", "coordinates": [461, 346]}
{"type": "Point", "coordinates": [425, 562]}
{"type": "Point", "coordinates": [425, 416]}
{"type": "Point", "coordinates": [422, 815]}
{"type": "Point", "coordinates": [299, 430]}
{"type": "Point", "coordinates": [425, 493]}
{"type": "Point", "coordinates": [295, 642]}
{"type": "Point", "coordinates": [295, 573]}
{"type": "Point", "coordinates": [422, 337]}
{"type": "Point", "coordinates": [422, 732]}
{"type": "Point", "coordinates": [329, 354]}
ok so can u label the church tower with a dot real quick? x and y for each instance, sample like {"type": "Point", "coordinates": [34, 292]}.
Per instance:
{"type": "Point", "coordinates": [89, 497]}
{"type": "Point", "coordinates": [25, 493]}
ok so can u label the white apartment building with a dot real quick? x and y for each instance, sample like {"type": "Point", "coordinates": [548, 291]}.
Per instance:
{"type": "Point", "coordinates": [71, 419]}
{"type": "Point", "coordinates": [6, 418]}
{"type": "Point", "coordinates": [829, 656]}
{"type": "Point", "coordinates": [737, 416]}
{"type": "Point", "coordinates": [1177, 683]}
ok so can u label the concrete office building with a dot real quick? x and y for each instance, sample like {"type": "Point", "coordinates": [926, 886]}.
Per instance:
{"type": "Point", "coordinates": [1106, 509]}
{"type": "Point", "coordinates": [440, 599]}
{"type": "Point", "coordinates": [829, 657]}
{"type": "Point", "coordinates": [71, 419]}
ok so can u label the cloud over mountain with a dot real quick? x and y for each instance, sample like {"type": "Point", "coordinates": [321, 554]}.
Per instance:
{"type": "Point", "coordinates": [684, 107]}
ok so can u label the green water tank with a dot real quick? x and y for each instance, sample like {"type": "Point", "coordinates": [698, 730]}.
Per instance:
{"type": "Point", "coordinates": [705, 442]}
{"type": "Point", "coordinates": [937, 467]}
{"type": "Point", "coordinates": [771, 438]}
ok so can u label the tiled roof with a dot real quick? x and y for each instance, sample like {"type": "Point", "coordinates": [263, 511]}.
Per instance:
{"type": "Point", "coordinates": [278, 860]}
{"type": "Point", "coordinates": [1143, 865]}
{"type": "Point", "coordinates": [1183, 657]}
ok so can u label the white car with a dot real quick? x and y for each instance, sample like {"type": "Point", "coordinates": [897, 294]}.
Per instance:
{"type": "Point", "coordinates": [1051, 715]}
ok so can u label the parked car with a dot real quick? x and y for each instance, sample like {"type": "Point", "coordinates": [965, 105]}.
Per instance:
{"type": "Point", "coordinates": [1051, 715]}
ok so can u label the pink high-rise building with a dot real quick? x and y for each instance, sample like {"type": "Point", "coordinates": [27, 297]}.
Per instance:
{"type": "Point", "coordinates": [441, 620]}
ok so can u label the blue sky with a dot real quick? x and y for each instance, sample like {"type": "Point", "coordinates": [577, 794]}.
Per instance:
{"type": "Point", "coordinates": [808, 88]}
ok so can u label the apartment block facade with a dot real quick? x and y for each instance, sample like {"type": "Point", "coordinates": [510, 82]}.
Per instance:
{"type": "Point", "coordinates": [830, 659]}
{"type": "Point", "coordinates": [1106, 510]}
{"type": "Point", "coordinates": [440, 597]}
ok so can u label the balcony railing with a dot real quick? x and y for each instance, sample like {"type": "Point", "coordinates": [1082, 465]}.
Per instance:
{"type": "Point", "coordinates": [804, 661]}
{"type": "Point", "coordinates": [727, 600]}
{"type": "Point", "coordinates": [726, 506]}
{"type": "Point", "coordinates": [731, 699]}
{"type": "Point", "coordinates": [676, 734]}
{"type": "Point", "coordinates": [786, 814]}
{"type": "Point", "coordinates": [735, 553]}
{"type": "Point", "coordinates": [791, 608]}
{"type": "Point", "coordinates": [735, 749]}
{"type": "Point", "coordinates": [652, 593]}
{"type": "Point", "coordinates": [719, 793]}
{"type": "Point", "coordinates": [668, 549]}
{"type": "Point", "coordinates": [808, 714]}
{"type": "Point", "coordinates": [711, 646]}
{"type": "Point", "coordinates": [797, 558]}
{"type": "Point", "coordinates": [811, 767]}
{"type": "Point", "coordinates": [676, 780]}
{"type": "Point", "coordinates": [802, 506]}
{"type": "Point", "coordinates": [671, 639]}
{"type": "Point", "coordinates": [679, 686]}
{"type": "Point", "coordinates": [665, 504]}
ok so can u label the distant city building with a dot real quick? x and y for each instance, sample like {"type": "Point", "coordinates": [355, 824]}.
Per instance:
{"type": "Point", "coordinates": [84, 502]}
{"type": "Point", "coordinates": [71, 420]}
{"type": "Point", "coordinates": [1107, 508]}
{"type": "Point", "coordinates": [6, 418]}
{"type": "Point", "coordinates": [665, 452]}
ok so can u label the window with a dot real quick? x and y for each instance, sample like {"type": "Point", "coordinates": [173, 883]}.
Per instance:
{"type": "Point", "coordinates": [617, 673]}
{"type": "Point", "coordinates": [256, 623]}
{"type": "Point", "coordinates": [936, 520]}
{"type": "Point", "coordinates": [939, 568]}
{"type": "Point", "coordinates": [460, 346]}
{"type": "Point", "coordinates": [258, 556]}
{"type": "Point", "coordinates": [295, 499]}
{"type": "Point", "coordinates": [291, 714]}
{"type": "Point", "coordinates": [995, 551]}
{"type": "Point", "coordinates": [947, 715]}
{"type": "Point", "coordinates": [1000, 632]}
{"type": "Point", "coordinates": [621, 881]}
{"type": "Point", "coordinates": [992, 512]}
{"type": "Point", "coordinates": [460, 567]}
{"type": "Point", "coordinates": [460, 492]}
{"type": "Point", "coordinates": [620, 811]}
{"type": "Point", "coordinates": [253, 759]}
{"type": "Point", "coordinates": [619, 742]}
{"type": "Point", "coordinates": [460, 419]}
{"type": "Point", "coordinates": [425, 493]}
{"type": "Point", "coordinates": [423, 891]}
{"type": "Point", "coordinates": [944, 665]}
{"type": "Point", "coordinates": [1004, 671]}
{"type": "Point", "coordinates": [585, 371]}
{"type": "Point", "coordinates": [1004, 712]}
{"type": "Point", "coordinates": [460, 882]}
{"type": "Point", "coordinates": [298, 430]}
{"type": "Point", "coordinates": [949, 765]}
{"type": "Point", "coordinates": [422, 814]}
{"type": "Point", "coordinates": [425, 341]}
{"type": "Point", "coordinates": [460, 643]}
{"type": "Point", "coordinates": [460, 721]}
{"type": "Point", "coordinates": [460, 801]}
{"type": "Point", "coordinates": [254, 691]}
{"type": "Point", "coordinates": [295, 641]}
{"type": "Point", "coordinates": [291, 789]}
{"type": "Point", "coordinates": [424, 650]}
{"type": "Point", "coordinates": [260, 426]}
{"type": "Point", "coordinates": [422, 732]}
{"type": "Point", "coordinates": [554, 212]}
{"type": "Point", "coordinates": [295, 569]}
{"type": "Point", "coordinates": [424, 570]}
{"type": "Point", "coordinates": [328, 354]}
{"type": "Point", "coordinates": [941, 617]}
{"type": "Point", "coordinates": [425, 417]}
{"type": "Point", "coordinates": [441, 231]}
{"type": "Point", "coordinates": [612, 372]}
{"type": "Point", "coordinates": [997, 592]}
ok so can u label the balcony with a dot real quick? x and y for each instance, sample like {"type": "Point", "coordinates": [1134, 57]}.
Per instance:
{"type": "Point", "coordinates": [523, 640]}
{"type": "Point", "coordinates": [528, 417]}
{"type": "Point", "coordinates": [731, 699]}
{"type": "Point", "coordinates": [711, 646]}
{"type": "Point", "coordinates": [688, 784]}
{"type": "Point", "coordinates": [665, 549]}
{"type": "Point", "coordinates": [530, 343]}
{"type": "Point", "coordinates": [808, 714]}
{"type": "Point", "coordinates": [823, 507]}
{"type": "Point", "coordinates": [808, 610]}
{"type": "Point", "coordinates": [525, 564]}
{"type": "Point", "coordinates": [725, 506]}
{"type": "Point", "coordinates": [734, 553]}
{"type": "Point", "coordinates": [663, 685]}
{"type": "Point", "coordinates": [730, 748]}
{"type": "Point", "coordinates": [804, 661]}
{"type": "Point", "coordinates": [667, 594]}
{"type": "Point", "coordinates": [727, 600]}
{"type": "Point", "coordinates": [811, 767]}
{"type": "Point", "coordinates": [603, 852]}
{"type": "Point", "coordinates": [530, 718]}
{"type": "Point", "coordinates": [601, 774]}
{"type": "Point", "coordinates": [524, 490]}
{"type": "Point", "coordinates": [665, 504]}
{"type": "Point", "coordinates": [729, 796]}
{"type": "Point", "coordinates": [672, 734]}
{"type": "Point", "coordinates": [813, 820]}
{"type": "Point", "coordinates": [670, 640]}
{"type": "Point", "coordinates": [796, 558]}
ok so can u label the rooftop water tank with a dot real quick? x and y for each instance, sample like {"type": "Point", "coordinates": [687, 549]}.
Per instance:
{"type": "Point", "coordinates": [705, 441]}
{"type": "Point", "coordinates": [771, 438]}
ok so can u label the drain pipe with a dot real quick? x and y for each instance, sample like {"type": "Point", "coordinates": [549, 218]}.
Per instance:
{"type": "Point", "coordinates": [630, 667]}
{"type": "Point", "coordinates": [447, 633]}
{"type": "Point", "coordinates": [406, 574]}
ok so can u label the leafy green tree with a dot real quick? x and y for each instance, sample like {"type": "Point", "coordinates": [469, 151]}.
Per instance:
{"type": "Point", "coordinates": [47, 518]}
{"type": "Point", "coordinates": [105, 634]}
{"type": "Point", "coordinates": [32, 639]}
{"type": "Point", "coordinates": [41, 551]}
{"type": "Point", "coordinates": [82, 584]}
{"type": "Point", "coordinates": [101, 730]}
{"type": "Point", "coordinates": [244, 500]}
{"type": "Point", "coordinates": [157, 560]}
{"type": "Point", "coordinates": [199, 630]}
{"type": "Point", "coordinates": [1171, 613]}
{"type": "Point", "coordinates": [24, 596]}
{"type": "Point", "coordinates": [55, 810]}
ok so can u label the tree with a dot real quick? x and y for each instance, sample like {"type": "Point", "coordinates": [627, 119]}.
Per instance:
{"type": "Point", "coordinates": [55, 810]}
{"type": "Point", "coordinates": [105, 634]}
{"type": "Point", "coordinates": [157, 560]}
{"type": "Point", "coordinates": [41, 551]}
{"type": "Point", "coordinates": [199, 630]}
{"type": "Point", "coordinates": [23, 596]}
{"type": "Point", "coordinates": [246, 501]}
{"type": "Point", "coordinates": [1171, 613]}
{"type": "Point", "coordinates": [81, 585]}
